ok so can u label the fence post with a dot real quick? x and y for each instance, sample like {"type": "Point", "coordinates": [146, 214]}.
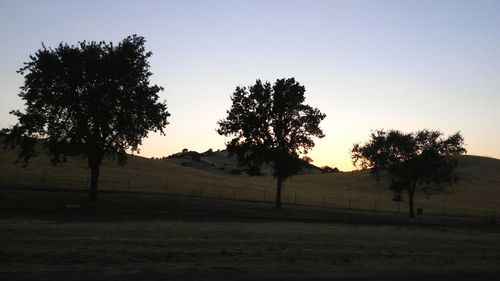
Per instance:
{"type": "Point", "coordinates": [399, 207]}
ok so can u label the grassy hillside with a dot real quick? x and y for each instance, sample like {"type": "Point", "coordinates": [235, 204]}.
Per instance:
{"type": "Point", "coordinates": [221, 162]}
{"type": "Point", "coordinates": [477, 192]}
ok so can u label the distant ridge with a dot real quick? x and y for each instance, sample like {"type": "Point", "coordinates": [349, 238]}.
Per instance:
{"type": "Point", "coordinates": [221, 162]}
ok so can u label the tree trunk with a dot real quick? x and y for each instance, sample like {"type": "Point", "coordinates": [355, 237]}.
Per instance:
{"type": "Point", "coordinates": [95, 159]}
{"type": "Point", "coordinates": [278, 192]}
{"type": "Point", "coordinates": [94, 177]}
{"type": "Point", "coordinates": [411, 191]}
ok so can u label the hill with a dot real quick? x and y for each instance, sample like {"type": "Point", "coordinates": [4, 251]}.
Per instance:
{"type": "Point", "coordinates": [477, 192]}
{"type": "Point", "coordinates": [221, 162]}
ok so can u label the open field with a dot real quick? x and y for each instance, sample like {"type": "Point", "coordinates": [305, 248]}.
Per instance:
{"type": "Point", "coordinates": [127, 236]}
{"type": "Point", "coordinates": [144, 227]}
{"type": "Point", "coordinates": [476, 194]}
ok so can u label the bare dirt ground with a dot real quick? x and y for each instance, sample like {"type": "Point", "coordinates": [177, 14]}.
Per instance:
{"type": "Point", "coordinates": [47, 235]}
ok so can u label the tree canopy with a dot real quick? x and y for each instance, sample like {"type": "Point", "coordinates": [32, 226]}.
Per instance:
{"type": "Point", "coordinates": [413, 160]}
{"type": "Point", "coordinates": [271, 124]}
{"type": "Point", "coordinates": [91, 99]}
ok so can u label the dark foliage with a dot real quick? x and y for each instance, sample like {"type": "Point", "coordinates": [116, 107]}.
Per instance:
{"type": "Point", "coordinates": [193, 155]}
{"type": "Point", "coordinates": [417, 160]}
{"type": "Point", "coordinates": [236, 172]}
{"type": "Point", "coordinates": [329, 170]}
{"type": "Point", "coordinates": [271, 124]}
{"type": "Point", "coordinates": [92, 99]}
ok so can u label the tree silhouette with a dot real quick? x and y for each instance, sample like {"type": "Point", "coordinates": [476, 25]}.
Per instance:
{"type": "Point", "coordinates": [271, 124]}
{"type": "Point", "coordinates": [92, 99]}
{"type": "Point", "coordinates": [416, 160]}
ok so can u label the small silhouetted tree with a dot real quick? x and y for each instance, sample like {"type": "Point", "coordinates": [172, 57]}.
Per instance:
{"type": "Point", "coordinates": [92, 99]}
{"type": "Point", "coordinates": [271, 124]}
{"type": "Point", "coordinates": [329, 170]}
{"type": "Point", "coordinates": [421, 160]}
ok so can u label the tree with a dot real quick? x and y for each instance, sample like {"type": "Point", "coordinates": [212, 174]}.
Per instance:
{"type": "Point", "coordinates": [421, 160]}
{"type": "Point", "coordinates": [92, 99]}
{"type": "Point", "coordinates": [271, 124]}
{"type": "Point", "coordinates": [329, 170]}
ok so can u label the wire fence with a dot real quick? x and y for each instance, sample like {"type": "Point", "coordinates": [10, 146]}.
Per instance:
{"type": "Point", "coordinates": [151, 183]}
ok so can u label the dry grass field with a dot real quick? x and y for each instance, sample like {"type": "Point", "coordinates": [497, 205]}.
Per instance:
{"type": "Point", "coordinates": [50, 231]}
{"type": "Point", "coordinates": [134, 236]}
{"type": "Point", "coordinates": [476, 194]}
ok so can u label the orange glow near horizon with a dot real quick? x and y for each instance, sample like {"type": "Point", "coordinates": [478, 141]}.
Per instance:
{"type": "Point", "coordinates": [330, 150]}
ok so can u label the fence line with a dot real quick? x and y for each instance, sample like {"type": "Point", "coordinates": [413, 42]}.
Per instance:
{"type": "Point", "coordinates": [264, 194]}
{"type": "Point", "coordinates": [338, 201]}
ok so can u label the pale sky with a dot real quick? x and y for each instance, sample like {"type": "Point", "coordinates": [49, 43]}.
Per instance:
{"type": "Point", "coordinates": [404, 65]}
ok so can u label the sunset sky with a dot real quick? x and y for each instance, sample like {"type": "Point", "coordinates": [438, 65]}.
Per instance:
{"type": "Point", "coordinates": [405, 65]}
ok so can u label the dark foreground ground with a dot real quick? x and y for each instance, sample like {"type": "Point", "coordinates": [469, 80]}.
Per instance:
{"type": "Point", "coordinates": [49, 235]}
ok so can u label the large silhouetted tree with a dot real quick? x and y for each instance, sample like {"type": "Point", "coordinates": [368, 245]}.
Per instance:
{"type": "Point", "coordinates": [422, 160]}
{"type": "Point", "coordinates": [271, 124]}
{"type": "Point", "coordinates": [91, 99]}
